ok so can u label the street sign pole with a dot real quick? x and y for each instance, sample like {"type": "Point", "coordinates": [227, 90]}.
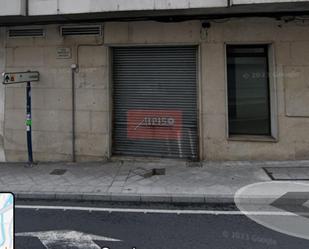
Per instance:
{"type": "Point", "coordinates": [29, 124]}
{"type": "Point", "coordinates": [24, 77]}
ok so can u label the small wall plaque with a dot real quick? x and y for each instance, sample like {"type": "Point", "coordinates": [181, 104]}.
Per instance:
{"type": "Point", "coordinates": [64, 53]}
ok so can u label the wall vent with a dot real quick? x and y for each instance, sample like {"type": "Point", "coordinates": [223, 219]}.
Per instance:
{"type": "Point", "coordinates": [94, 30]}
{"type": "Point", "coordinates": [33, 32]}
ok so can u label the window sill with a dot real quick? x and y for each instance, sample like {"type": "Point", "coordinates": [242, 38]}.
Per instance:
{"type": "Point", "coordinates": [252, 138]}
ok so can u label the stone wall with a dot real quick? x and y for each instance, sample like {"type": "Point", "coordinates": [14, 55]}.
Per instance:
{"type": "Point", "coordinates": [52, 98]}
{"type": "Point", "coordinates": [52, 95]}
{"type": "Point", "coordinates": [291, 58]}
{"type": "Point", "coordinates": [289, 42]}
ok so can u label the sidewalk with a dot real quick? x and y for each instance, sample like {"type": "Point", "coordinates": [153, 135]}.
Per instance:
{"type": "Point", "coordinates": [132, 181]}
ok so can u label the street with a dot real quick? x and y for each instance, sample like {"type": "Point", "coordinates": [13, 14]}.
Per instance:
{"type": "Point", "coordinates": [47, 226]}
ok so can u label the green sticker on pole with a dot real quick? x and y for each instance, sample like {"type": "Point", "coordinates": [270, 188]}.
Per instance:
{"type": "Point", "coordinates": [24, 77]}
{"type": "Point", "coordinates": [29, 122]}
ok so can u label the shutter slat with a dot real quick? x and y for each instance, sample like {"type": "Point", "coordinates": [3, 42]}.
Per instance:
{"type": "Point", "coordinates": [155, 79]}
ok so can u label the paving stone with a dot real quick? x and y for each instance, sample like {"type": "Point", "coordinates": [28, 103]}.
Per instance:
{"type": "Point", "coordinates": [118, 183]}
{"type": "Point", "coordinates": [214, 182]}
{"type": "Point", "coordinates": [120, 178]}
{"type": "Point", "coordinates": [288, 173]}
{"type": "Point", "coordinates": [115, 190]}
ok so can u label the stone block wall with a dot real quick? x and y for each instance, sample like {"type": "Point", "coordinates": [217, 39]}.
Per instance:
{"type": "Point", "coordinates": [52, 98]}
{"type": "Point", "coordinates": [52, 128]}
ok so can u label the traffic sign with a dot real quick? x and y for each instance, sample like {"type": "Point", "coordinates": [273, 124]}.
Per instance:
{"type": "Point", "coordinates": [20, 77]}
{"type": "Point", "coordinates": [24, 77]}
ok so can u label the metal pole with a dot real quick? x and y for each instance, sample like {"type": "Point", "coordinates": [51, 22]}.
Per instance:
{"type": "Point", "coordinates": [27, 8]}
{"type": "Point", "coordinates": [73, 117]}
{"type": "Point", "coordinates": [29, 124]}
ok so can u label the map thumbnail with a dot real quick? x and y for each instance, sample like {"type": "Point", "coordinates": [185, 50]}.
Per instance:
{"type": "Point", "coordinates": [6, 221]}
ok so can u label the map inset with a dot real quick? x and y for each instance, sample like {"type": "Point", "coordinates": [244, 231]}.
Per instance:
{"type": "Point", "coordinates": [6, 221]}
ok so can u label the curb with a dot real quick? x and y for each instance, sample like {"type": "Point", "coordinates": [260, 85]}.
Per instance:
{"type": "Point", "coordinates": [119, 197]}
{"type": "Point", "coordinates": [152, 198]}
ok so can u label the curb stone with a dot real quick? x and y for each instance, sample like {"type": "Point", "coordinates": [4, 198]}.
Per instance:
{"type": "Point", "coordinates": [151, 198]}
{"type": "Point", "coordinates": [110, 197]}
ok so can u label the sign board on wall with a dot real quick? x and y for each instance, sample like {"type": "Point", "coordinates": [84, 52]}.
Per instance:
{"type": "Point", "coordinates": [20, 77]}
{"type": "Point", "coordinates": [64, 53]}
{"type": "Point", "coordinates": [154, 124]}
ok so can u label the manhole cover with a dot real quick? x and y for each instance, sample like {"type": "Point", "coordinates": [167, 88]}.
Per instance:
{"type": "Point", "coordinates": [288, 173]}
{"type": "Point", "coordinates": [58, 172]}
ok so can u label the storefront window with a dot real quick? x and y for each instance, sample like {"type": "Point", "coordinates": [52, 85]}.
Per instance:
{"type": "Point", "coordinates": [248, 90]}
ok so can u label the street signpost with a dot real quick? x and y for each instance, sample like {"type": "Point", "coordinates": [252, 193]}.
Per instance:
{"type": "Point", "coordinates": [24, 77]}
{"type": "Point", "coordinates": [20, 77]}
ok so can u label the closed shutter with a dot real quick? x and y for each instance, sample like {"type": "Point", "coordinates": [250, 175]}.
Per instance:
{"type": "Point", "coordinates": [155, 101]}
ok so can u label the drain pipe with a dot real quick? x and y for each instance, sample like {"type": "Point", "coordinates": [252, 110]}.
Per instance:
{"type": "Point", "coordinates": [73, 70]}
{"type": "Point", "coordinates": [27, 8]}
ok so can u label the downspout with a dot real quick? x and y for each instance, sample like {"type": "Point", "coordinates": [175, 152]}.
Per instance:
{"type": "Point", "coordinates": [73, 70]}
{"type": "Point", "coordinates": [58, 8]}
{"type": "Point", "coordinates": [27, 8]}
{"type": "Point", "coordinates": [229, 3]}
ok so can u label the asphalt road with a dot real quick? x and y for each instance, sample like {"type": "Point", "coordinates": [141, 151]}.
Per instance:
{"type": "Point", "coordinates": [67, 229]}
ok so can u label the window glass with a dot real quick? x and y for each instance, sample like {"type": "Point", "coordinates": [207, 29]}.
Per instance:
{"type": "Point", "coordinates": [248, 90]}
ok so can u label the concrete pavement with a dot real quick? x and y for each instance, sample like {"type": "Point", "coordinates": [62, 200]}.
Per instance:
{"type": "Point", "coordinates": [133, 180]}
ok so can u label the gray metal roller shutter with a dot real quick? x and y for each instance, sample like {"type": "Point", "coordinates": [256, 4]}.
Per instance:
{"type": "Point", "coordinates": [155, 101]}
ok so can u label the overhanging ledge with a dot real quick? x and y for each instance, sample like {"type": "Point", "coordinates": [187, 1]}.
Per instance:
{"type": "Point", "coordinates": [275, 10]}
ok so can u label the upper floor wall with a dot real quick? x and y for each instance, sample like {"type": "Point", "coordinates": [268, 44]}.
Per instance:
{"type": "Point", "coordinates": [52, 7]}
{"type": "Point", "coordinates": [236, 2]}
{"type": "Point", "coordinates": [40, 8]}
{"type": "Point", "coordinates": [13, 7]}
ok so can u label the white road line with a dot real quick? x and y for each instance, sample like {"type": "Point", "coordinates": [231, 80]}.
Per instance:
{"type": "Point", "coordinates": [155, 211]}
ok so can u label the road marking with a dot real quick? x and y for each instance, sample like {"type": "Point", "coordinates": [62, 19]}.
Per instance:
{"type": "Point", "coordinates": [156, 211]}
{"type": "Point", "coordinates": [63, 239]}
{"type": "Point", "coordinates": [280, 196]}
{"type": "Point", "coordinates": [300, 200]}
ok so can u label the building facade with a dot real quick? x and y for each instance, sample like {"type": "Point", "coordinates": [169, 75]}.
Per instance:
{"type": "Point", "coordinates": [197, 80]}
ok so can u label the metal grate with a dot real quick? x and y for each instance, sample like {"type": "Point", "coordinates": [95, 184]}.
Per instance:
{"type": "Point", "coordinates": [147, 173]}
{"type": "Point", "coordinates": [94, 30]}
{"type": "Point", "coordinates": [34, 32]}
{"type": "Point", "coordinates": [58, 172]}
{"type": "Point", "coordinates": [288, 173]}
